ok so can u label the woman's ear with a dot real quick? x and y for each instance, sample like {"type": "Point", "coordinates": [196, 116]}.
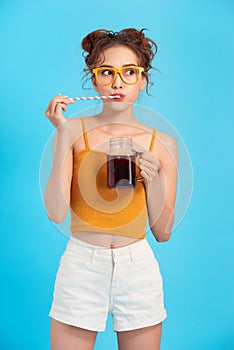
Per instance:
{"type": "Point", "coordinates": [143, 83]}
{"type": "Point", "coordinates": [94, 82]}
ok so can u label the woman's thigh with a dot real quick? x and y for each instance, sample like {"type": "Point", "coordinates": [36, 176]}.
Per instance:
{"type": "Point", "coordinates": [67, 337]}
{"type": "Point", "coordinates": [144, 338]}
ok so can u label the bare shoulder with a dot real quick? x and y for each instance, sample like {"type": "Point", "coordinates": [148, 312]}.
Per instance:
{"type": "Point", "coordinates": [75, 122]}
{"type": "Point", "coordinates": [75, 131]}
{"type": "Point", "coordinates": [166, 139]}
{"type": "Point", "coordinates": [165, 146]}
{"type": "Point", "coordinates": [75, 127]}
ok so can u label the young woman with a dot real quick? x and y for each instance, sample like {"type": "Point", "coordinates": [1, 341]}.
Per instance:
{"type": "Point", "coordinates": [108, 265]}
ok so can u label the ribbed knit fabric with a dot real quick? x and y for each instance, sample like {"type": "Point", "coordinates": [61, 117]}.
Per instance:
{"type": "Point", "coordinates": [94, 207]}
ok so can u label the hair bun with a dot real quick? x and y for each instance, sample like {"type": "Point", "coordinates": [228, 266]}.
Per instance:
{"type": "Point", "coordinates": [91, 39]}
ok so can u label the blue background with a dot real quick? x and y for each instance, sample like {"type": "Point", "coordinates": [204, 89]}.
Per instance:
{"type": "Point", "coordinates": [41, 57]}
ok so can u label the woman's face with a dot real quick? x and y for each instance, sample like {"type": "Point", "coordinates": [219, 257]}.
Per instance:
{"type": "Point", "coordinates": [118, 57]}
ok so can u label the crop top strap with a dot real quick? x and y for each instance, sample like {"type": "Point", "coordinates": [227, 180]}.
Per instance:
{"type": "Point", "coordinates": [85, 133]}
{"type": "Point", "coordinates": [153, 140]}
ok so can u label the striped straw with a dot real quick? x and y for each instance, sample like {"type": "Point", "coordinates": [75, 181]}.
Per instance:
{"type": "Point", "coordinates": [94, 97]}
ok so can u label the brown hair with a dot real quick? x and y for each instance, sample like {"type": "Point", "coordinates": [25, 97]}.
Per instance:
{"type": "Point", "coordinates": [99, 40]}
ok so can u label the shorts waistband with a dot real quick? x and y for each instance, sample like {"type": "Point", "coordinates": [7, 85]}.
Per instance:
{"type": "Point", "coordinates": [131, 251]}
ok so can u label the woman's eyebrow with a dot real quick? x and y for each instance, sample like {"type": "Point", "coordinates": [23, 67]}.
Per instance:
{"type": "Point", "coordinates": [124, 65]}
{"type": "Point", "coordinates": [129, 64]}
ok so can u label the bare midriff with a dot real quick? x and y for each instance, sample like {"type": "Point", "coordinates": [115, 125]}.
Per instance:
{"type": "Point", "coordinates": [104, 240]}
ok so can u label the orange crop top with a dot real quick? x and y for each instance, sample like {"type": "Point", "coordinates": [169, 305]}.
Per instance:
{"type": "Point", "coordinates": [94, 207]}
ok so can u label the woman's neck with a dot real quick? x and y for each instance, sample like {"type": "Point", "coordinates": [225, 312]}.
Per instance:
{"type": "Point", "coordinates": [117, 112]}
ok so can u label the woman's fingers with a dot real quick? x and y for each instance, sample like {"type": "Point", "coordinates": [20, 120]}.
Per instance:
{"type": "Point", "coordinates": [148, 156]}
{"type": "Point", "coordinates": [61, 106]}
{"type": "Point", "coordinates": [56, 106]}
{"type": "Point", "coordinates": [149, 166]}
{"type": "Point", "coordinates": [151, 173]}
{"type": "Point", "coordinates": [61, 102]}
{"type": "Point", "coordinates": [149, 161]}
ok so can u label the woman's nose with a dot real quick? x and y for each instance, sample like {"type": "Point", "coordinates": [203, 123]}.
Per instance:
{"type": "Point", "coordinates": [118, 82]}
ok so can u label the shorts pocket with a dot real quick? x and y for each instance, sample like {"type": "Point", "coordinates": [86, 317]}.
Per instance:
{"type": "Point", "coordinates": [144, 274]}
{"type": "Point", "coordinates": [148, 284]}
{"type": "Point", "coordinates": [145, 261]}
{"type": "Point", "coordinates": [73, 259]}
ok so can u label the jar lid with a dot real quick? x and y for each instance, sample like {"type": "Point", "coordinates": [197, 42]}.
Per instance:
{"type": "Point", "coordinates": [120, 142]}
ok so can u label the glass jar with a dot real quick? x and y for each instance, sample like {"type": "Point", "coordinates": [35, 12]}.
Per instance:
{"type": "Point", "coordinates": [121, 163]}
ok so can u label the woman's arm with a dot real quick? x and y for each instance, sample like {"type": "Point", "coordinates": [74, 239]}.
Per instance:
{"type": "Point", "coordinates": [160, 179]}
{"type": "Point", "coordinates": [57, 194]}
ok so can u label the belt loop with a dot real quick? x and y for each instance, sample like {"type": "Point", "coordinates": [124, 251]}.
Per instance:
{"type": "Point", "coordinates": [130, 253]}
{"type": "Point", "coordinates": [91, 255]}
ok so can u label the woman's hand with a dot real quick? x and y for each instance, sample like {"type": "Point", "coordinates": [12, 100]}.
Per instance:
{"type": "Point", "coordinates": [149, 166]}
{"type": "Point", "coordinates": [53, 111]}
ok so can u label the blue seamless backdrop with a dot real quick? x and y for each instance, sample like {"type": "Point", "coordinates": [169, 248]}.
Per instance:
{"type": "Point", "coordinates": [41, 57]}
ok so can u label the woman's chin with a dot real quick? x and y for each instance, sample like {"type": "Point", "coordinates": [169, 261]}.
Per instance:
{"type": "Point", "coordinates": [117, 106]}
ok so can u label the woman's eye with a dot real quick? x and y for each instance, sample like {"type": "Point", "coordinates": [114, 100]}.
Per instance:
{"type": "Point", "coordinates": [130, 71]}
{"type": "Point", "coordinates": [107, 72]}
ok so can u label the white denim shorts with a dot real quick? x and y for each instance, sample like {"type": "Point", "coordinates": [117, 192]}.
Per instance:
{"type": "Point", "coordinates": [92, 282]}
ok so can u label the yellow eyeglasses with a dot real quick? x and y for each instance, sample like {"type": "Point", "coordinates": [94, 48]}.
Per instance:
{"type": "Point", "coordinates": [106, 75]}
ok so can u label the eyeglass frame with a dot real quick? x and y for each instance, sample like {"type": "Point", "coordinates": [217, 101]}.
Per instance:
{"type": "Point", "coordinates": [117, 70]}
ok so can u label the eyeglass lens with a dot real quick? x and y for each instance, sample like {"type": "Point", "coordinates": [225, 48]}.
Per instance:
{"type": "Point", "coordinates": [129, 75]}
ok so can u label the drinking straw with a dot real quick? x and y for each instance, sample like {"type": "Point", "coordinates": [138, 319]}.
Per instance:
{"type": "Point", "coordinates": [94, 97]}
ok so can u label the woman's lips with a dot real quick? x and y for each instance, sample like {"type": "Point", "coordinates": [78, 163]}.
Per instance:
{"type": "Point", "coordinates": [121, 96]}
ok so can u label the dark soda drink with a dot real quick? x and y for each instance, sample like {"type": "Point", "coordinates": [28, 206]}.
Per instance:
{"type": "Point", "coordinates": [121, 171]}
